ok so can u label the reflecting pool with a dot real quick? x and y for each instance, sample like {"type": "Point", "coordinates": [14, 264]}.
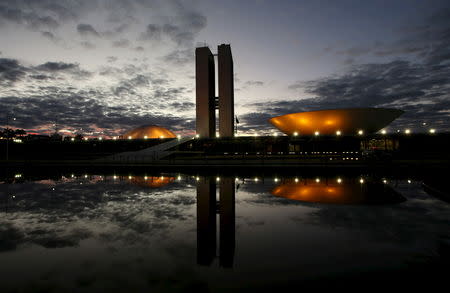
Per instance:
{"type": "Point", "coordinates": [184, 232]}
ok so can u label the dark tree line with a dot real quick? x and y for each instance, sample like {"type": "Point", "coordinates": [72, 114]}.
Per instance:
{"type": "Point", "coordinates": [12, 133]}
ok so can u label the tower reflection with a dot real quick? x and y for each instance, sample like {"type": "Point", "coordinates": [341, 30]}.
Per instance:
{"type": "Point", "coordinates": [207, 208]}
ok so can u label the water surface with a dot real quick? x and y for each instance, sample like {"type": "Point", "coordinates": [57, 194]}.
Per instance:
{"type": "Point", "coordinates": [179, 232]}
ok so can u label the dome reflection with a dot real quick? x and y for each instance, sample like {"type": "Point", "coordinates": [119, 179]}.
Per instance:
{"type": "Point", "coordinates": [333, 192]}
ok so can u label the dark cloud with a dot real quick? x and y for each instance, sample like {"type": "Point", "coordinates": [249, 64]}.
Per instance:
{"type": "Point", "coordinates": [57, 66]}
{"type": "Point", "coordinates": [10, 71]}
{"type": "Point", "coordinates": [87, 45]}
{"type": "Point", "coordinates": [180, 57]}
{"type": "Point", "coordinates": [30, 19]}
{"type": "Point", "coordinates": [50, 36]}
{"type": "Point", "coordinates": [122, 43]}
{"type": "Point", "coordinates": [87, 30]}
{"type": "Point", "coordinates": [182, 32]}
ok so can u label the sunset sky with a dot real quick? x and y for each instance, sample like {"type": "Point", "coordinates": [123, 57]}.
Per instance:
{"type": "Point", "coordinates": [101, 67]}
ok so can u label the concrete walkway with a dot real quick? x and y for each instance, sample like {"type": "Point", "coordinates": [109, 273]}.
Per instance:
{"type": "Point", "coordinates": [147, 155]}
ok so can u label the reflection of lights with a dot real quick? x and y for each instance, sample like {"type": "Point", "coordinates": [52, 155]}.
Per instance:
{"type": "Point", "coordinates": [338, 132]}
{"type": "Point", "coordinates": [432, 130]}
{"type": "Point", "coordinates": [361, 180]}
{"type": "Point", "coordinates": [339, 180]}
{"type": "Point", "coordinates": [317, 180]}
{"type": "Point", "coordinates": [407, 131]}
{"type": "Point", "coordinates": [316, 133]}
{"type": "Point", "coordinates": [360, 132]}
{"type": "Point", "coordinates": [295, 133]}
{"type": "Point", "coordinates": [383, 131]}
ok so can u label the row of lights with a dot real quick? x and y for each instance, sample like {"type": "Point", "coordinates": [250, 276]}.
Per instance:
{"type": "Point", "coordinates": [316, 133]}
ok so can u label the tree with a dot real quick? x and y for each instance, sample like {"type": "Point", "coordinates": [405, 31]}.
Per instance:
{"type": "Point", "coordinates": [20, 132]}
{"type": "Point", "coordinates": [8, 133]}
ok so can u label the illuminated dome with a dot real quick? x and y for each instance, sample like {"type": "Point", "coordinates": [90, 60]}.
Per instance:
{"type": "Point", "coordinates": [331, 122]}
{"type": "Point", "coordinates": [149, 131]}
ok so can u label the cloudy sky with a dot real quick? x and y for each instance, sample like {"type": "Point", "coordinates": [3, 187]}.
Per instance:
{"type": "Point", "coordinates": [100, 67]}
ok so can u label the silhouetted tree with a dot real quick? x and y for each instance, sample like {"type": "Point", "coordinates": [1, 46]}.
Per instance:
{"type": "Point", "coordinates": [20, 132]}
{"type": "Point", "coordinates": [8, 133]}
{"type": "Point", "coordinates": [78, 137]}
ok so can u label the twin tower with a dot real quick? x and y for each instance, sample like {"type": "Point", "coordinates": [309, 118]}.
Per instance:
{"type": "Point", "coordinates": [206, 100]}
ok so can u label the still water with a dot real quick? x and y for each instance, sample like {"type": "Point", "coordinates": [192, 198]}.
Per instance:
{"type": "Point", "coordinates": [174, 232]}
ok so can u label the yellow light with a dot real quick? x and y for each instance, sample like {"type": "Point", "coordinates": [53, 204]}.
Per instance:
{"type": "Point", "coordinates": [100, 138]}
{"type": "Point", "coordinates": [296, 179]}
{"type": "Point", "coordinates": [256, 179]}
{"type": "Point", "coordinates": [316, 133]}
{"type": "Point", "coordinates": [384, 181]}
{"type": "Point", "coordinates": [409, 181]}
{"type": "Point", "coordinates": [360, 132]}
{"type": "Point", "coordinates": [130, 177]}
{"type": "Point", "coordinates": [407, 131]}
{"type": "Point", "coordinates": [145, 177]}
{"type": "Point", "coordinates": [275, 134]}
{"type": "Point", "coordinates": [197, 135]}
{"type": "Point", "coordinates": [72, 139]}
{"type": "Point", "coordinates": [432, 130]}
{"type": "Point", "coordinates": [383, 131]}
{"type": "Point", "coordinates": [162, 136]}
{"type": "Point", "coordinates": [145, 136]}
{"type": "Point", "coordinates": [317, 180]}
{"type": "Point", "coordinates": [295, 133]}
{"type": "Point", "coordinates": [217, 135]}
{"type": "Point", "coordinates": [218, 179]}
{"type": "Point", "coordinates": [236, 179]}
{"type": "Point", "coordinates": [114, 177]}
{"type": "Point", "coordinates": [179, 178]}
{"type": "Point", "coordinates": [115, 137]}
{"type": "Point", "coordinates": [256, 134]}
{"type": "Point", "coordinates": [361, 180]}
{"type": "Point", "coordinates": [276, 179]}
{"type": "Point", "coordinates": [86, 176]}
{"type": "Point", "coordinates": [339, 180]}
{"type": "Point", "coordinates": [338, 132]}
{"type": "Point", "coordinates": [86, 138]}
{"type": "Point", "coordinates": [178, 136]}
{"type": "Point", "coordinates": [18, 175]}
{"type": "Point", "coordinates": [129, 137]}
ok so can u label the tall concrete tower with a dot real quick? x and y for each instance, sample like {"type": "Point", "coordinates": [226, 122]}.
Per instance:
{"type": "Point", "coordinates": [206, 103]}
{"type": "Point", "coordinates": [226, 91]}
{"type": "Point", "coordinates": [205, 92]}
